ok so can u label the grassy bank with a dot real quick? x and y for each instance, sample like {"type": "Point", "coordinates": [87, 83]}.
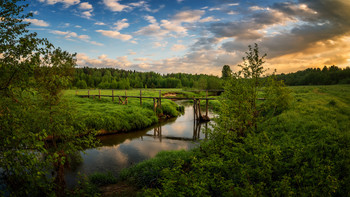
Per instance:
{"type": "Point", "coordinates": [110, 117]}
{"type": "Point", "coordinates": [303, 151]}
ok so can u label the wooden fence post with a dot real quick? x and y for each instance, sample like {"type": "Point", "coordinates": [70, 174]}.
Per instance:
{"type": "Point", "coordinates": [99, 94]}
{"type": "Point", "coordinates": [113, 96]}
{"type": "Point", "coordinates": [126, 98]}
{"type": "Point", "coordinates": [154, 105]}
{"type": "Point", "coordinates": [76, 92]}
{"type": "Point", "coordinates": [141, 97]}
{"type": "Point", "coordinates": [160, 98]}
{"type": "Point", "coordinates": [88, 93]}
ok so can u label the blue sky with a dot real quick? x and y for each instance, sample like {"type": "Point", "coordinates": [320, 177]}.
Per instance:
{"type": "Point", "coordinates": [196, 36]}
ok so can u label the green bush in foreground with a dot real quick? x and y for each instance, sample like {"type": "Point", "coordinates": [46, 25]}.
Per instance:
{"type": "Point", "coordinates": [101, 179]}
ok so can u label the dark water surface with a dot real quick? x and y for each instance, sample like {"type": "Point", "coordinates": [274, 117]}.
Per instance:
{"type": "Point", "coordinates": [119, 151]}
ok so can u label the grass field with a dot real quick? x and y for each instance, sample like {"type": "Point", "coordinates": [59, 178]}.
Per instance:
{"type": "Point", "coordinates": [110, 117]}
{"type": "Point", "coordinates": [303, 151]}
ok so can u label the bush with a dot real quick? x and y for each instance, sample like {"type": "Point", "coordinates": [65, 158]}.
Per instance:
{"type": "Point", "coordinates": [101, 179]}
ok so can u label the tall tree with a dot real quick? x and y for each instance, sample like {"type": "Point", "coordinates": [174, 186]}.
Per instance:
{"type": "Point", "coordinates": [240, 109]}
{"type": "Point", "coordinates": [32, 77]}
{"type": "Point", "coordinates": [226, 72]}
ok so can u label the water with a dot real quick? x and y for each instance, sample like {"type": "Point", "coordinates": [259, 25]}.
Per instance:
{"type": "Point", "coordinates": [119, 151]}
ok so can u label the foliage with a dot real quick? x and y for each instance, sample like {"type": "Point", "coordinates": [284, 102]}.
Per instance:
{"type": "Point", "coordinates": [111, 116]}
{"type": "Point", "coordinates": [109, 78]}
{"type": "Point", "coordinates": [300, 147]}
{"type": "Point", "coordinates": [226, 72]}
{"type": "Point", "coordinates": [33, 75]}
{"type": "Point", "coordinates": [101, 179]}
{"type": "Point", "coordinates": [148, 173]}
{"type": "Point", "coordinates": [316, 76]}
{"type": "Point", "coordinates": [302, 151]}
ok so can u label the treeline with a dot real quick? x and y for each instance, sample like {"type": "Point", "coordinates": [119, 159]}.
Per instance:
{"type": "Point", "coordinates": [110, 78]}
{"type": "Point", "coordinates": [316, 76]}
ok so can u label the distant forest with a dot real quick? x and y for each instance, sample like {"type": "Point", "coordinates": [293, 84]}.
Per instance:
{"type": "Point", "coordinates": [110, 78]}
{"type": "Point", "coordinates": [316, 76]}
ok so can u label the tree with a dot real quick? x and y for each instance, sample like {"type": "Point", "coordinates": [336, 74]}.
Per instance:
{"type": "Point", "coordinates": [33, 75]}
{"type": "Point", "coordinates": [240, 111]}
{"type": "Point", "coordinates": [226, 72]}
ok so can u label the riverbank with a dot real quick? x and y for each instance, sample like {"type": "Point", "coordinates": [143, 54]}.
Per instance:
{"type": "Point", "coordinates": [108, 117]}
{"type": "Point", "coordinates": [304, 150]}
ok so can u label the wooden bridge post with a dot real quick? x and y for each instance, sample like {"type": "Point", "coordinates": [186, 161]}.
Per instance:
{"type": "Point", "coordinates": [199, 109]}
{"type": "Point", "coordinates": [99, 94]}
{"type": "Point", "coordinates": [76, 92]}
{"type": "Point", "coordinates": [88, 93]}
{"type": "Point", "coordinates": [113, 96]}
{"type": "Point", "coordinates": [126, 98]}
{"type": "Point", "coordinates": [141, 97]}
{"type": "Point", "coordinates": [154, 105]}
{"type": "Point", "coordinates": [206, 105]}
{"type": "Point", "coordinates": [160, 98]}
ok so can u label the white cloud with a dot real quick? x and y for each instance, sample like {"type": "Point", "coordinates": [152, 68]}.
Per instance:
{"type": "Point", "coordinates": [214, 9]}
{"type": "Point", "coordinates": [208, 19]}
{"type": "Point", "coordinates": [173, 26]}
{"type": "Point", "coordinates": [66, 3]}
{"type": "Point", "coordinates": [69, 35]}
{"type": "Point", "coordinates": [121, 24]}
{"type": "Point", "coordinates": [188, 16]}
{"type": "Point", "coordinates": [233, 4]}
{"type": "Point", "coordinates": [231, 12]}
{"type": "Point", "coordinates": [100, 23]}
{"type": "Point", "coordinates": [115, 34]}
{"type": "Point", "coordinates": [77, 26]}
{"type": "Point", "coordinates": [131, 52]}
{"type": "Point", "coordinates": [85, 6]}
{"type": "Point", "coordinates": [178, 47]}
{"type": "Point", "coordinates": [37, 22]}
{"type": "Point", "coordinates": [158, 44]}
{"type": "Point", "coordinates": [256, 8]}
{"type": "Point", "coordinates": [114, 5]}
{"type": "Point", "coordinates": [86, 14]}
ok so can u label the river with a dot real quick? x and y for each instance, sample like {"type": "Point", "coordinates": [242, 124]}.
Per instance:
{"type": "Point", "coordinates": [120, 151]}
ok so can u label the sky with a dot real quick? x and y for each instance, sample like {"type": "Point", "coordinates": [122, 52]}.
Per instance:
{"type": "Point", "coordinates": [196, 36]}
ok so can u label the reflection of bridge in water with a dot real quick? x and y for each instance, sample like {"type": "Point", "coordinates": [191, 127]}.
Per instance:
{"type": "Point", "coordinates": [197, 127]}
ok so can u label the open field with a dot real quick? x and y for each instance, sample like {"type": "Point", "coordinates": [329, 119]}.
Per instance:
{"type": "Point", "coordinates": [110, 117]}
{"type": "Point", "coordinates": [305, 150]}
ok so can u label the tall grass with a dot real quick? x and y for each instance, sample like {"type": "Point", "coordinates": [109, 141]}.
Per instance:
{"type": "Point", "coordinates": [305, 150]}
{"type": "Point", "coordinates": [109, 117]}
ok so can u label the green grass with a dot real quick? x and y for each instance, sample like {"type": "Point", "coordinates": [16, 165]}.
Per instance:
{"type": "Point", "coordinates": [304, 151]}
{"type": "Point", "coordinates": [103, 114]}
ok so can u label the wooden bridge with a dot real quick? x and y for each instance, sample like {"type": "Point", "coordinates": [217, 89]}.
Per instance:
{"type": "Point", "coordinates": [157, 101]}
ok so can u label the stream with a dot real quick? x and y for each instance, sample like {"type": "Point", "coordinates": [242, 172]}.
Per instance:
{"type": "Point", "coordinates": [119, 151]}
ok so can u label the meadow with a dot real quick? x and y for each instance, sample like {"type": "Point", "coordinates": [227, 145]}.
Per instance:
{"type": "Point", "coordinates": [305, 150]}
{"type": "Point", "coordinates": [107, 116]}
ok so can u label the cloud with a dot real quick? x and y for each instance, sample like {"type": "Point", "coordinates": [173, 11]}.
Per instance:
{"type": "Point", "coordinates": [86, 14]}
{"type": "Point", "coordinates": [115, 34]}
{"type": "Point", "coordinates": [85, 6]}
{"type": "Point", "coordinates": [178, 47]}
{"type": "Point", "coordinates": [66, 3]}
{"type": "Point", "coordinates": [37, 22]}
{"type": "Point", "coordinates": [174, 25]}
{"type": "Point", "coordinates": [208, 19]}
{"type": "Point", "coordinates": [103, 61]}
{"type": "Point", "coordinates": [121, 24]}
{"type": "Point", "coordinates": [99, 23]}
{"type": "Point", "coordinates": [114, 5]}
{"type": "Point", "coordinates": [71, 35]}
{"type": "Point", "coordinates": [188, 16]}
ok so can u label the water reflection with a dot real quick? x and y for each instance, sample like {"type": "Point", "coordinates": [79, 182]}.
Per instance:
{"type": "Point", "coordinates": [123, 150]}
